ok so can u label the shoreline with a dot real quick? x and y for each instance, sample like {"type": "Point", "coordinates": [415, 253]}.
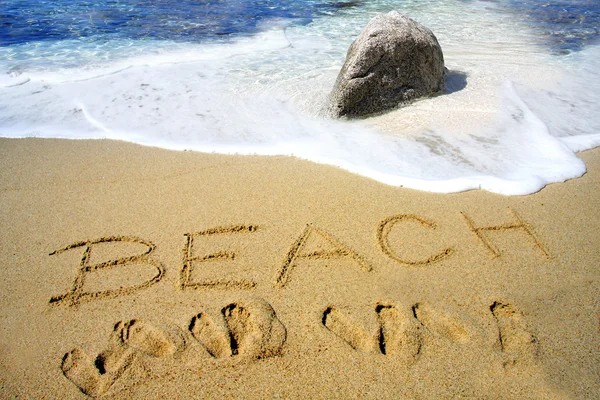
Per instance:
{"type": "Point", "coordinates": [382, 291]}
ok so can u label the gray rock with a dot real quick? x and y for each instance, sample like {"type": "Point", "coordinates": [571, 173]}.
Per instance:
{"type": "Point", "coordinates": [393, 61]}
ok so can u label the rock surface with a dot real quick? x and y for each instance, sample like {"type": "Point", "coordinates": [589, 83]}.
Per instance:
{"type": "Point", "coordinates": [394, 60]}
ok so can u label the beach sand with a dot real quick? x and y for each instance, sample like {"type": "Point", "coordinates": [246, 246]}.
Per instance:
{"type": "Point", "coordinates": [131, 273]}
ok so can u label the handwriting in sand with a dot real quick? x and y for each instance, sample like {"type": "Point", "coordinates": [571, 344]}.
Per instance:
{"type": "Point", "coordinates": [329, 248]}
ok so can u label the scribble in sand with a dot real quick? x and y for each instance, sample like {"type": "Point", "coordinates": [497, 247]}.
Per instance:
{"type": "Point", "coordinates": [190, 260]}
{"type": "Point", "coordinates": [128, 341]}
{"type": "Point", "coordinates": [385, 227]}
{"type": "Point", "coordinates": [334, 249]}
{"type": "Point", "coordinates": [249, 328]}
{"type": "Point", "coordinates": [78, 295]}
{"type": "Point", "coordinates": [520, 223]}
{"type": "Point", "coordinates": [519, 345]}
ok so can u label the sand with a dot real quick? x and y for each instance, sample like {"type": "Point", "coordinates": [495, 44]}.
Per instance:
{"type": "Point", "coordinates": [133, 273]}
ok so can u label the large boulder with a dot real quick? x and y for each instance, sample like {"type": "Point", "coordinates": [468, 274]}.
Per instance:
{"type": "Point", "coordinates": [394, 60]}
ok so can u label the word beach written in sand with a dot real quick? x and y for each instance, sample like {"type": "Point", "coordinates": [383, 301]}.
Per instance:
{"type": "Point", "coordinates": [313, 243]}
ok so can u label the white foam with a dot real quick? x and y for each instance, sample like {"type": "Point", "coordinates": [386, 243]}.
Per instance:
{"type": "Point", "coordinates": [13, 79]}
{"type": "Point", "coordinates": [263, 95]}
{"type": "Point", "coordinates": [145, 53]}
{"type": "Point", "coordinates": [581, 142]}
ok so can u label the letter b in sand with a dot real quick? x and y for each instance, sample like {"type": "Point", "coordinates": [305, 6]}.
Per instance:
{"type": "Point", "coordinates": [78, 295]}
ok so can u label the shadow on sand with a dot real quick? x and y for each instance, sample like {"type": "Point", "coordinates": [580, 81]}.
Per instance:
{"type": "Point", "coordinates": [455, 81]}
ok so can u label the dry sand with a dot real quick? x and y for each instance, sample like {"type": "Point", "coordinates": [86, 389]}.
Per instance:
{"type": "Point", "coordinates": [135, 273]}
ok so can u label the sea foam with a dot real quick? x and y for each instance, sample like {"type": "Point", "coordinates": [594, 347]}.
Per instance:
{"type": "Point", "coordinates": [500, 126]}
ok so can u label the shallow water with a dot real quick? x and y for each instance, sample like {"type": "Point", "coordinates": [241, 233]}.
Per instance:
{"type": "Point", "coordinates": [252, 77]}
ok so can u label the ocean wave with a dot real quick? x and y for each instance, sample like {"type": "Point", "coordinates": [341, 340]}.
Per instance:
{"type": "Point", "coordinates": [501, 126]}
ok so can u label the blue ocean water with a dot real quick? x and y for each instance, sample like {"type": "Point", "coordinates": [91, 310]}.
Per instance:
{"type": "Point", "coordinates": [564, 25]}
{"type": "Point", "coordinates": [252, 77]}
{"type": "Point", "coordinates": [567, 24]}
{"type": "Point", "coordinates": [27, 21]}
